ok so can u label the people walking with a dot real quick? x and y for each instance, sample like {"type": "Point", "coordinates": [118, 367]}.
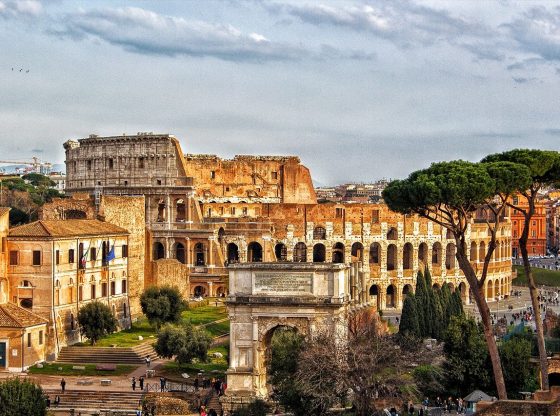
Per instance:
{"type": "Point", "coordinates": [134, 383]}
{"type": "Point", "coordinates": [141, 381]}
{"type": "Point", "coordinates": [148, 361]}
{"type": "Point", "coordinates": [63, 385]}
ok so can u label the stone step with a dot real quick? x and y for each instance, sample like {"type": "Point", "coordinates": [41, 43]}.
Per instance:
{"type": "Point", "coordinates": [129, 355]}
{"type": "Point", "coordinates": [127, 402]}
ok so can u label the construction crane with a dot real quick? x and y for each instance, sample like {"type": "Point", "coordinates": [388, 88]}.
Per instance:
{"type": "Point", "coordinates": [36, 165]}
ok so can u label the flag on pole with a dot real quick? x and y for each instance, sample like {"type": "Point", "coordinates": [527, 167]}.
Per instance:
{"type": "Point", "coordinates": [111, 255]}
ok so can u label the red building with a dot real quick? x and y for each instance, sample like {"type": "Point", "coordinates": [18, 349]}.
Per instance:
{"type": "Point", "coordinates": [536, 244]}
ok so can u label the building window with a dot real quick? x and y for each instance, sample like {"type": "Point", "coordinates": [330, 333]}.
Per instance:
{"type": "Point", "coordinates": [123, 286]}
{"type": "Point", "coordinates": [103, 289]}
{"type": "Point", "coordinates": [533, 233]}
{"type": "Point", "coordinates": [80, 293]}
{"type": "Point", "coordinates": [212, 174]}
{"type": "Point", "coordinates": [26, 303]}
{"type": "Point", "coordinates": [93, 254]}
{"type": "Point", "coordinates": [233, 211]}
{"type": "Point", "coordinates": [339, 212]}
{"type": "Point", "coordinates": [515, 200]}
{"type": "Point", "coordinates": [111, 164]}
{"type": "Point", "coordinates": [245, 211]}
{"type": "Point", "coordinates": [274, 175]}
{"type": "Point", "coordinates": [28, 340]}
{"type": "Point", "coordinates": [71, 256]}
{"type": "Point", "coordinates": [125, 183]}
{"type": "Point", "coordinates": [13, 257]}
{"type": "Point", "coordinates": [124, 251]}
{"type": "Point", "coordinates": [113, 288]}
{"type": "Point", "coordinates": [57, 257]}
{"type": "Point", "coordinates": [375, 216]}
{"type": "Point", "coordinates": [88, 163]}
{"type": "Point", "coordinates": [141, 163]}
{"type": "Point", "coordinates": [158, 181]}
{"type": "Point", "coordinates": [36, 258]}
{"type": "Point", "coordinates": [93, 291]}
{"type": "Point", "coordinates": [40, 337]}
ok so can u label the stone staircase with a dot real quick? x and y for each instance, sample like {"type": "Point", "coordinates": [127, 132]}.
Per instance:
{"type": "Point", "coordinates": [90, 401]}
{"type": "Point", "coordinates": [214, 403]}
{"type": "Point", "coordinates": [107, 355]}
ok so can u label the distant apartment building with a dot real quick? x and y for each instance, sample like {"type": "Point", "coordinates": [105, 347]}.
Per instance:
{"type": "Point", "coordinates": [537, 239]}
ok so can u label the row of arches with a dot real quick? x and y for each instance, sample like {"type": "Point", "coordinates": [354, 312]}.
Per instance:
{"type": "Point", "coordinates": [391, 297]}
{"type": "Point", "coordinates": [377, 255]}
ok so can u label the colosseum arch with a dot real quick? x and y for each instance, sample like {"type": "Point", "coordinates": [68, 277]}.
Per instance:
{"type": "Point", "coordinates": [232, 253]}
{"type": "Point", "coordinates": [450, 256]}
{"type": "Point", "coordinates": [391, 296]}
{"type": "Point", "coordinates": [357, 252]}
{"type": "Point", "coordinates": [481, 251]}
{"type": "Point", "coordinates": [436, 254]}
{"type": "Point", "coordinates": [319, 253]}
{"type": "Point", "coordinates": [158, 251]}
{"type": "Point", "coordinates": [254, 252]}
{"type": "Point", "coordinates": [391, 257]}
{"type": "Point", "coordinates": [300, 253]}
{"type": "Point", "coordinates": [281, 252]}
{"type": "Point", "coordinates": [375, 253]}
{"type": "Point", "coordinates": [392, 234]}
{"type": "Point", "coordinates": [319, 233]}
{"type": "Point", "coordinates": [179, 252]}
{"type": "Point", "coordinates": [423, 253]}
{"type": "Point", "coordinates": [408, 252]}
{"type": "Point", "coordinates": [473, 252]}
{"type": "Point", "coordinates": [338, 253]}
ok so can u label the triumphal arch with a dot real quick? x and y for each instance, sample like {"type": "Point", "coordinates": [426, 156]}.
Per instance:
{"type": "Point", "coordinates": [307, 297]}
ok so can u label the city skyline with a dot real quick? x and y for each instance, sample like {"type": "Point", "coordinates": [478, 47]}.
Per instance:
{"type": "Point", "coordinates": [385, 88]}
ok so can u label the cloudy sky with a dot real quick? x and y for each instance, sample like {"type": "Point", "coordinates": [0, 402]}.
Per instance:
{"type": "Point", "coordinates": [360, 90]}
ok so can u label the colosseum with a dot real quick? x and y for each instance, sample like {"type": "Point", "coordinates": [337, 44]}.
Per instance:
{"type": "Point", "coordinates": [203, 213]}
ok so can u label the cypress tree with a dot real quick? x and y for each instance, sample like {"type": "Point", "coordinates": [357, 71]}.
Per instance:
{"type": "Point", "coordinates": [421, 298]}
{"type": "Point", "coordinates": [438, 325]}
{"type": "Point", "coordinates": [429, 306]}
{"type": "Point", "coordinates": [409, 317]}
{"type": "Point", "coordinates": [446, 306]}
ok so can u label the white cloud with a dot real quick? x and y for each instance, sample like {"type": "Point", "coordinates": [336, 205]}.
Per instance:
{"type": "Point", "coordinates": [20, 8]}
{"type": "Point", "coordinates": [146, 32]}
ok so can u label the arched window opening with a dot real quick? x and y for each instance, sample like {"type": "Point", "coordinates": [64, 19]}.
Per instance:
{"type": "Point", "coordinates": [436, 254]}
{"type": "Point", "coordinates": [281, 252]}
{"type": "Point", "coordinates": [392, 234]}
{"type": "Point", "coordinates": [319, 253]}
{"type": "Point", "coordinates": [180, 253]}
{"type": "Point", "coordinates": [338, 253]}
{"type": "Point", "coordinates": [391, 257]}
{"type": "Point", "coordinates": [407, 256]}
{"type": "Point", "coordinates": [199, 255]}
{"type": "Point", "coordinates": [319, 233]}
{"type": "Point", "coordinates": [159, 251]}
{"type": "Point", "coordinates": [357, 252]}
{"type": "Point", "coordinates": [374, 253]}
{"type": "Point", "coordinates": [450, 256]}
{"type": "Point", "coordinates": [300, 253]}
{"type": "Point", "coordinates": [254, 252]}
{"type": "Point", "coordinates": [180, 210]}
{"type": "Point", "coordinates": [232, 253]}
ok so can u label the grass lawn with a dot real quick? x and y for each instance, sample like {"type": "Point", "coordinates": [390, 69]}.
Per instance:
{"type": "Point", "coordinates": [53, 369]}
{"type": "Point", "coordinates": [197, 316]}
{"type": "Point", "coordinates": [129, 337]}
{"type": "Point", "coordinates": [215, 367]}
{"type": "Point", "coordinates": [542, 277]}
{"type": "Point", "coordinates": [204, 314]}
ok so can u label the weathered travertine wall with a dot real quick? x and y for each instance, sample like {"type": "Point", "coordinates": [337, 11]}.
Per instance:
{"type": "Point", "coordinates": [128, 212]}
{"type": "Point", "coordinates": [169, 272]}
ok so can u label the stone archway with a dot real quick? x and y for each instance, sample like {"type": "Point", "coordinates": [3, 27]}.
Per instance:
{"type": "Point", "coordinates": [308, 297]}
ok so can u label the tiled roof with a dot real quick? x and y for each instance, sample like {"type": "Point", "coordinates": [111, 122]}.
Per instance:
{"type": "Point", "coordinates": [4, 210]}
{"type": "Point", "coordinates": [13, 316]}
{"type": "Point", "coordinates": [66, 228]}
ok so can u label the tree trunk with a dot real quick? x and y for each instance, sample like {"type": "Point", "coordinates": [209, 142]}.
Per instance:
{"type": "Point", "coordinates": [543, 361]}
{"type": "Point", "coordinates": [480, 299]}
